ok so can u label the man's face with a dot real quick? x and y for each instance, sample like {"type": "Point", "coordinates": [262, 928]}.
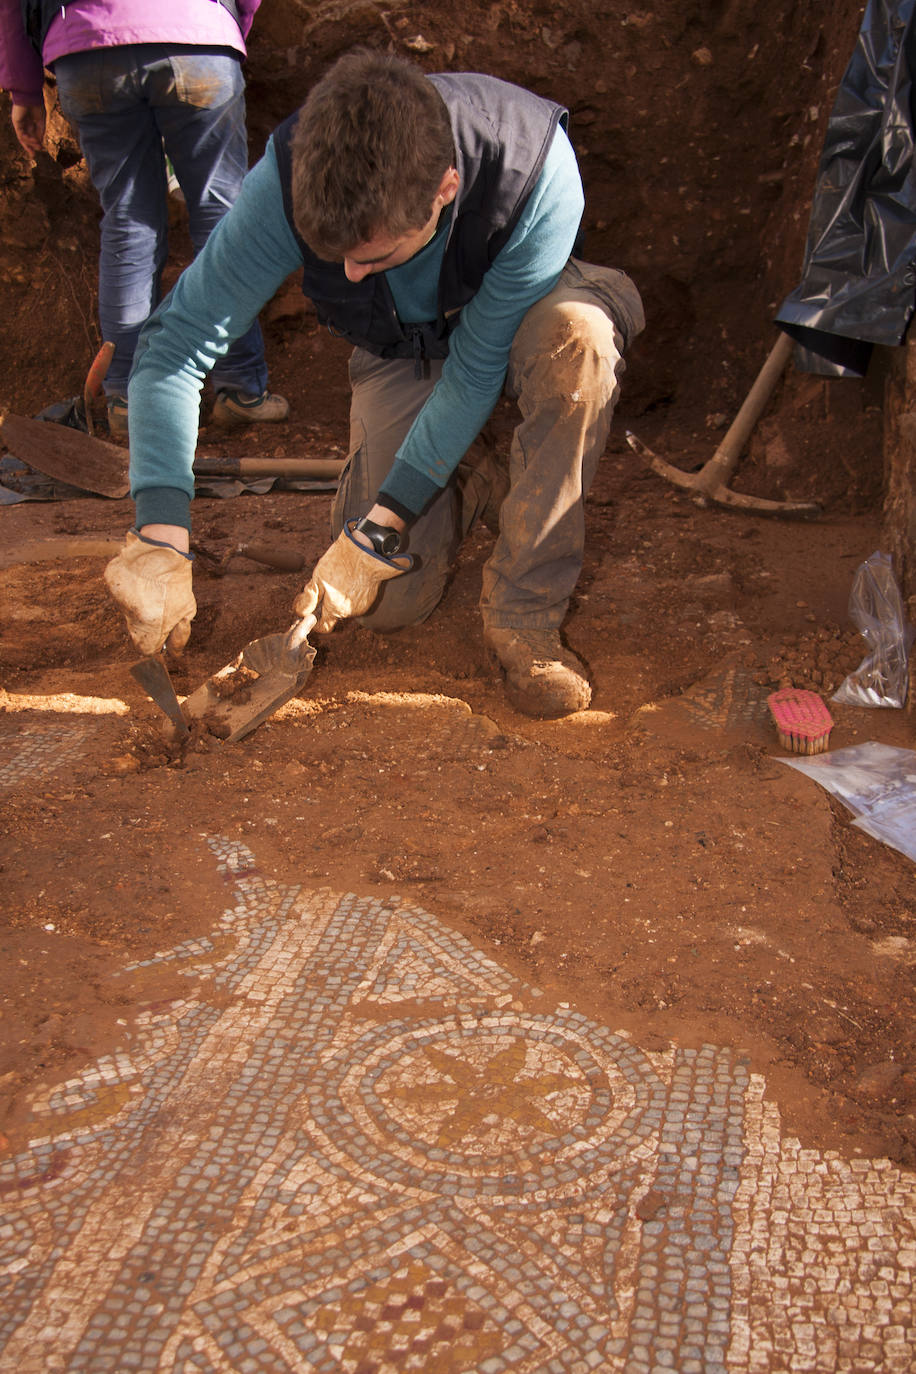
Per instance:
{"type": "Point", "coordinates": [385, 251]}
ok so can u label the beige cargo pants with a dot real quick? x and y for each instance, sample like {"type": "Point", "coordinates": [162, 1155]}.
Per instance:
{"type": "Point", "coordinates": [564, 370]}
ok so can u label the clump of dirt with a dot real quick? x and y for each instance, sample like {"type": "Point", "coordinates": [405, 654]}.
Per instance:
{"type": "Point", "coordinates": [234, 686]}
{"type": "Point", "coordinates": [818, 661]}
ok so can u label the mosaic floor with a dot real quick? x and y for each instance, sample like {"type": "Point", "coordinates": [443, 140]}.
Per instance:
{"type": "Point", "coordinates": [360, 1145]}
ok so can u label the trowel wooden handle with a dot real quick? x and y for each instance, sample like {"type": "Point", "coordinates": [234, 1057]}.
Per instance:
{"type": "Point", "coordinates": [284, 560]}
{"type": "Point", "coordinates": [94, 379]}
{"type": "Point", "coordinates": [268, 467]}
{"type": "Point", "coordinates": [98, 371]}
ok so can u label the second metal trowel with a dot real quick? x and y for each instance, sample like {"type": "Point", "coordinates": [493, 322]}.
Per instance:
{"type": "Point", "coordinates": [232, 703]}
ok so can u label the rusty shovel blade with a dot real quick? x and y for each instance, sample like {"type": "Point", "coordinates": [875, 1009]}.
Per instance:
{"type": "Point", "coordinates": [69, 455]}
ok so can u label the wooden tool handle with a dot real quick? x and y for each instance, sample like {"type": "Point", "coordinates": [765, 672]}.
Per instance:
{"type": "Point", "coordinates": [98, 371]}
{"type": "Point", "coordinates": [725, 458]}
{"type": "Point", "coordinates": [94, 379]}
{"type": "Point", "coordinates": [268, 467]}
{"type": "Point", "coordinates": [284, 560]}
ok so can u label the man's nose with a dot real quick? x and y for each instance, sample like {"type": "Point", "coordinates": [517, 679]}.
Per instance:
{"type": "Point", "coordinates": [355, 271]}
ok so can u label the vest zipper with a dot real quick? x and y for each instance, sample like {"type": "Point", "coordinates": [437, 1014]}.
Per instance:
{"type": "Point", "coordinates": [420, 360]}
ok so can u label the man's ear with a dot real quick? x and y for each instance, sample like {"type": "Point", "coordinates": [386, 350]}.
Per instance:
{"type": "Point", "coordinates": [448, 186]}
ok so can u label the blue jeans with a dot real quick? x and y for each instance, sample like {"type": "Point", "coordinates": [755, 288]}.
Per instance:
{"type": "Point", "coordinates": [132, 106]}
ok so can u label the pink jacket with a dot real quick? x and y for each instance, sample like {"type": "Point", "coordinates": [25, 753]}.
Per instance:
{"type": "Point", "coordinates": [110, 24]}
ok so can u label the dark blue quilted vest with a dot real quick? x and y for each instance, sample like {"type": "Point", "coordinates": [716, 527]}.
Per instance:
{"type": "Point", "coordinates": [502, 136]}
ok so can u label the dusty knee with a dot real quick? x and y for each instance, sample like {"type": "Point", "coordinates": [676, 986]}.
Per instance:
{"type": "Point", "coordinates": [578, 357]}
{"type": "Point", "coordinates": [575, 352]}
{"type": "Point", "coordinates": [589, 352]}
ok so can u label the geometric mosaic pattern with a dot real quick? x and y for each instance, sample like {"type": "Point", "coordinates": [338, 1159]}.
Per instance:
{"type": "Point", "coordinates": [357, 1144]}
{"type": "Point", "coordinates": [29, 752]}
{"type": "Point", "coordinates": [726, 699]}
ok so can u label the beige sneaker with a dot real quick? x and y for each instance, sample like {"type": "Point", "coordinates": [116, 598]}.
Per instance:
{"type": "Point", "coordinates": [543, 678]}
{"type": "Point", "coordinates": [236, 408]}
{"type": "Point", "coordinates": [117, 415]}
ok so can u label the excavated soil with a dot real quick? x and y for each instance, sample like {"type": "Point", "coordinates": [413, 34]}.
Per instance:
{"type": "Point", "coordinates": [652, 860]}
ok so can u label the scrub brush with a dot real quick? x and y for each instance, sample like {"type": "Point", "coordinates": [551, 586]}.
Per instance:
{"type": "Point", "coordinates": [802, 719]}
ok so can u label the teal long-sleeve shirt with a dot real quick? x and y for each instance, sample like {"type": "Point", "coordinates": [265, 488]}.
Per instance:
{"type": "Point", "coordinates": [252, 252]}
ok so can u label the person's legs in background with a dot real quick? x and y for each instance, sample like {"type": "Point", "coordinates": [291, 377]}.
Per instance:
{"type": "Point", "coordinates": [199, 108]}
{"type": "Point", "coordinates": [101, 93]}
{"type": "Point", "coordinates": [126, 103]}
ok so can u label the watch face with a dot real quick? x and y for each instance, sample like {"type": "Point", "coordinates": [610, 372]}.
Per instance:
{"type": "Point", "coordinates": [384, 540]}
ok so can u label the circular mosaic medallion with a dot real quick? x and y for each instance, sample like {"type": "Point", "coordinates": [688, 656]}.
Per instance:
{"type": "Point", "coordinates": [502, 1103]}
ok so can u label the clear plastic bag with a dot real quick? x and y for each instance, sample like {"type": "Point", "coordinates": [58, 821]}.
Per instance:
{"type": "Point", "coordinates": [877, 783]}
{"type": "Point", "coordinates": [876, 607]}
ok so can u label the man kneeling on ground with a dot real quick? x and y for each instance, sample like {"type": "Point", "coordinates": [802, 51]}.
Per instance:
{"type": "Point", "coordinates": [435, 220]}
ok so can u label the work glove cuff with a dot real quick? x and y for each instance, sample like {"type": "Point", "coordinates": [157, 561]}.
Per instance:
{"type": "Point", "coordinates": [346, 580]}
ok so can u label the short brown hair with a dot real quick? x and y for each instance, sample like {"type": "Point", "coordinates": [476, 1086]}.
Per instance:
{"type": "Point", "coordinates": [370, 148]}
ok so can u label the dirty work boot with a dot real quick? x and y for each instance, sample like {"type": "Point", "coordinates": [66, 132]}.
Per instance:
{"type": "Point", "coordinates": [117, 415]}
{"type": "Point", "coordinates": [238, 408]}
{"type": "Point", "coordinates": [543, 678]}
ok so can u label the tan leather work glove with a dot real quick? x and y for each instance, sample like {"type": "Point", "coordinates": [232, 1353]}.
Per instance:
{"type": "Point", "coordinates": [152, 585]}
{"type": "Point", "coordinates": [346, 581]}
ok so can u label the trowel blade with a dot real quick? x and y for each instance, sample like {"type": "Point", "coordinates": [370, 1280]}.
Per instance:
{"type": "Point", "coordinates": [232, 717]}
{"type": "Point", "coordinates": [153, 677]}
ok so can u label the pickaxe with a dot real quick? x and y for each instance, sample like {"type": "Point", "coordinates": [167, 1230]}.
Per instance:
{"type": "Point", "coordinates": [711, 482]}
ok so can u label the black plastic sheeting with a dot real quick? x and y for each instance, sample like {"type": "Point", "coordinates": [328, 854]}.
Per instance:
{"type": "Point", "coordinates": [858, 285]}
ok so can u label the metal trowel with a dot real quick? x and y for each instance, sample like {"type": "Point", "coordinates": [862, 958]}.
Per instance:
{"type": "Point", "coordinates": [231, 703]}
{"type": "Point", "coordinates": [153, 677]}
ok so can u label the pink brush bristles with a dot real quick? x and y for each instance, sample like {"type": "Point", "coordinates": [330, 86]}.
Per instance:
{"type": "Point", "coordinates": [802, 719]}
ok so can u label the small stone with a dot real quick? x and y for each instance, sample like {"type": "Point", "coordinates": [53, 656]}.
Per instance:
{"type": "Point", "coordinates": [125, 763]}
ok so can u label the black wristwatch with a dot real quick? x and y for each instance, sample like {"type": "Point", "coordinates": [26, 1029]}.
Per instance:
{"type": "Point", "coordinates": [383, 538]}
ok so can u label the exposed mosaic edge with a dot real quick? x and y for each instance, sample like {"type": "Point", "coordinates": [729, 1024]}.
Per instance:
{"type": "Point", "coordinates": [824, 1258]}
{"type": "Point", "coordinates": [361, 1145]}
{"type": "Point", "coordinates": [726, 699]}
{"type": "Point", "coordinates": [36, 751]}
